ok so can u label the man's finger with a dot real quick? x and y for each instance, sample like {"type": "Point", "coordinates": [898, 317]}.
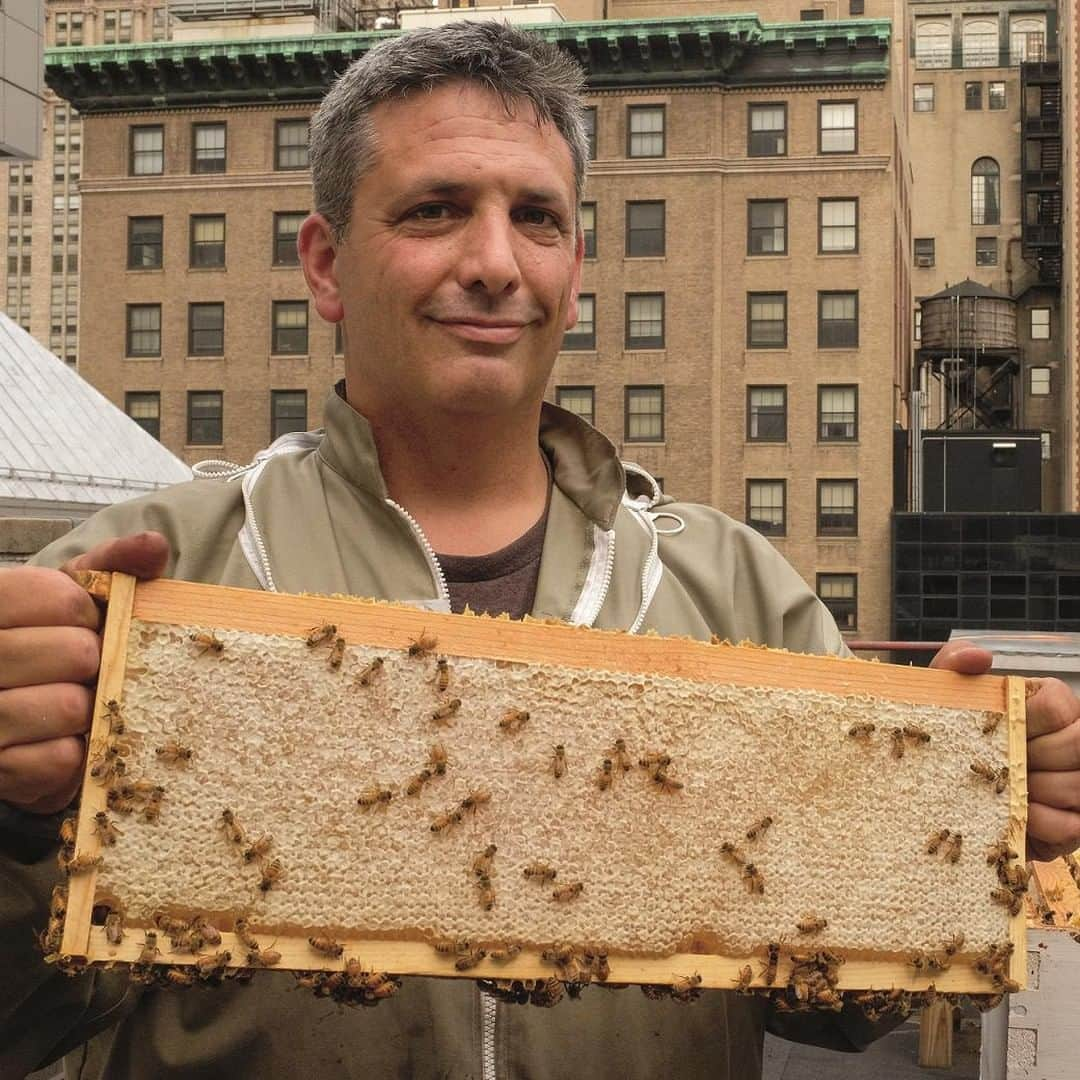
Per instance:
{"type": "Point", "coordinates": [964, 657]}
{"type": "Point", "coordinates": [36, 596]}
{"type": "Point", "coordinates": [1057, 752]}
{"type": "Point", "coordinates": [1052, 832]}
{"type": "Point", "coordinates": [34, 655]}
{"type": "Point", "coordinates": [42, 772]}
{"type": "Point", "coordinates": [144, 555]}
{"type": "Point", "coordinates": [1053, 707]}
{"type": "Point", "coordinates": [34, 713]}
{"type": "Point", "coordinates": [1058, 789]}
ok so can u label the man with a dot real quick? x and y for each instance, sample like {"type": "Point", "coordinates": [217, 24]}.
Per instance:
{"type": "Point", "coordinates": [448, 167]}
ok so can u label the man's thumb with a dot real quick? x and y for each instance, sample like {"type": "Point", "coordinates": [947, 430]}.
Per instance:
{"type": "Point", "coordinates": [143, 555]}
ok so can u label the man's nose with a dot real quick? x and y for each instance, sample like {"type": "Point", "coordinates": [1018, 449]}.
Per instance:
{"type": "Point", "coordinates": [488, 260]}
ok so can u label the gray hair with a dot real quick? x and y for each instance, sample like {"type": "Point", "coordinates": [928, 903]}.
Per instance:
{"type": "Point", "coordinates": [520, 67]}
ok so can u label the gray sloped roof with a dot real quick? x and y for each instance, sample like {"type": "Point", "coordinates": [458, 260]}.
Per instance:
{"type": "Point", "coordinates": [62, 441]}
{"type": "Point", "coordinates": [967, 287]}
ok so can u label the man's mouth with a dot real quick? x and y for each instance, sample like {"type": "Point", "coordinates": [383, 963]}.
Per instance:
{"type": "Point", "coordinates": [492, 331]}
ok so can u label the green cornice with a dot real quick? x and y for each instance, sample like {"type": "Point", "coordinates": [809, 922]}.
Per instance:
{"type": "Point", "coordinates": [729, 50]}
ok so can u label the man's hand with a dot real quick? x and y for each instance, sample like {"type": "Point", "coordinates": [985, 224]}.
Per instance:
{"type": "Point", "coordinates": [49, 656]}
{"type": "Point", "coordinates": [1053, 734]}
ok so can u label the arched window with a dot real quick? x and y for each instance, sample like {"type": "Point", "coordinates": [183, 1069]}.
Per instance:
{"type": "Point", "coordinates": [1027, 40]}
{"type": "Point", "coordinates": [985, 192]}
{"type": "Point", "coordinates": [980, 43]}
{"type": "Point", "coordinates": [933, 43]}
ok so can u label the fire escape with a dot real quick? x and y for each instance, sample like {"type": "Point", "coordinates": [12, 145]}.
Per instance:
{"type": "Point", "coordinates": [1040, 184]}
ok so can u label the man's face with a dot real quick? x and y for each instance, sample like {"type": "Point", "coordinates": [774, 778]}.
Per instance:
{"type": "Point", "coordinates": [461, 268]}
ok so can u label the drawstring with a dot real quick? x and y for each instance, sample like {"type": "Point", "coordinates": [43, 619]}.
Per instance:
{"type": "Point", "coordinates": [217, 469]}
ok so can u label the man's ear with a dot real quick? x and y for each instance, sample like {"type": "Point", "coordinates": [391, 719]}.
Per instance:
{"type": "Point", "coordinates": [575, 280]}
{"type": "Point", "coordinates": [318, 257]}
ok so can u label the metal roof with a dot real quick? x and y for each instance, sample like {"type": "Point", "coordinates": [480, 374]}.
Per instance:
{"type": "Point", "coordinates": [966, 288]}
{"type": "Point", "coordinates": [63, 442]}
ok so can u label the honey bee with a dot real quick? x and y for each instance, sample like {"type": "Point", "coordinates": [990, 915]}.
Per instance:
{"type": "Point", "coordinates": [772, 958]}
{"type": "Point", "coordinates": [954, 944]}
{"type": "Point", "coordinates": [318, 634]}
{"type": "Point", "coordinates": [933, 845]}
{"type": "Point", "coordinates": [151, 810]}
{"type": "Point", "coordinates": [1003, 984]}
{"type": "Point", "coordinates": [915, 734]}
{"type": "Point", "coordinates": [442, 675]}
{"type": "Point", "coordinates": [263, 958]}
{"type": "Point", "coordinates": [559, 954]}
{"type": "Point", "coordinates": [441, 716]}
{"type": "Point", "coordinates": [258, 848]}
{"type": "Point", "coordinates": [540, 872]}
{"type": "Point", "coordinates": [209, 966]}
{"type": "Point", "coordinates": [475, 799]}
{"type": "Point", "coordinates": [1002, 780]}
{"type": "Point", "coordinates": [759, 828]}
{"type": "Point", "coordinates": [208, 642]}
{"type": "Point", "coordinates": [897, 738]}
{"type": "Point", "coordinates": [114, 928]}
{"type": "Point", "coordinates": [732, 853]}
{"type": "Point", "coordinates": [120, 804]}
{"type": "Point", "coordinates": [58, 902]}
{"type": "Point", "coordinates": [80, 864]}
{"type": "Point", "coordinates": [861, 732]}
{"type": "Point", "coordinates": [991, 723]}
{"type": "Point", "coordinates": [423, 644]}
{"type": "Point", "coordinates": [180, 976]}
{"type": "Point", "coordinates": [243, 931]}
{"type": "Point", "coordinates": [513, 720]}
{"type": "Point", "coordinates": [953, 846]}
{"type": "Point", "coordinates": [547, 994]}
{"type": "Point", "coordinates": [374, 796]}
{"type": "Point", "coordinates": [208, 934]}
{"type": "Point", "coordinates": [487, 894]}
{"type": "Point", "coordinates": [811, 924]}
{"type": "Point", "coordinates": [67, 830]}
{"type": "Point", "coordinates": [666, 784]}
{"type": "Point", "coordinates": [271, 872]}
{"type": "Point", "coordinates": [150, 950]}
{"type": "Point", "coordinates": [105, 829]}
{"type": "Point", "coordinates": [326, 946]}
{"type": "Point", "coordinates": [107, 764]}
{"type": "Point", "coordinates": [337, 653]}
{"type": "Point", "coordinates": [233, 831]}
{"type": "Point", "coordinates": [442, 822]}
{"type": "Point", "coordinates": [601, 968]}
{"type": "Point", "coordinates": [1000, 852]}
{"type": "Point", "coordinates": [370, 671]}
{"type": "Point", "coordinates": [654, 760]}
{"type": "Point", "coordinates": [169, 924]}
{"type": "Point", "coordinates": [755, 883]}
{"type": "Point", "coordinates": [602, 779]}
{"type": "Point", "coordinates": [113, 715]}
{"type": "Point", "coordinates": [685, 984]}
{"type": "Point", "coordinates": [504, 953]}
{"type": "Point", "coordinates": [452, 945]}
{"type": "Point", "coordinates": [619, 755]}
{"type": "Point", "coordinates": [437, 759]}
{"type": "Point", "coordinates": [570, 891]}
{"type": "Point", "coordinates": [1007, 898]}
{"type": "Point", "coordinates": [558, 763]}
{"type": "Point", "coordinates": [746, 977]}
{"type": "Point", "coordinates": [173, 752]}
{"type": "Point", "coordinates": [481, 865]}
{"type": "Point", "coordinates": [1015, 878]}
{"type": "Point", "coordinates": [470, 959]}
{"type": "Point", "coordinates": [416, 784]}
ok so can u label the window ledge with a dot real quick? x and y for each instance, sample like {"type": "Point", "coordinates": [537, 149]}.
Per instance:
{"type": "Point", "coordinates": [145, 269]}
{"type": "Point", "coordinates": [835, 254]}
{"type": "Point", "coordinates": [207, 269]}
{"type": "Point", "coordinates": [838, 442]}
{"type": "Point", "coordinates": [768, 255]}
{"type": "Point", "coordinates": [285, 266]}
{"type": "Point", "coordinates": [205, 356]}
{"type": "Point", "coordinates": [644, 258]}
{"type": "Point", "coordinates": [786, 443]}
{"type": "Point", "coordinates": [290, 356]}
{"type": "Point", "coordinates": [155, 356]}
{"type": "Point", "coordinates": [838, 348]}
{"type": "Point", "coordinates": [643, 442]}
{"type": "Point", "coordinates": [200, 447]}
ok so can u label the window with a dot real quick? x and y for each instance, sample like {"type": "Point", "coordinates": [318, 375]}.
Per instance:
{"type": "Point", "coordinates": [588, 228]}
{"type": "Point", "coordinates": [206, 329]}
{"type": "Point", "coordinates": [143, 330]}
{"type": "Point", "coordinates": [583, 334]}
{"type": "Point", "coordinates": [766, 413]}
{"type": "Point", "coordinates": [124, 35]}
{"type": "Point", "coordinates": [924, 97]}
{"type": "Point", "coordinates": [644, 414]}
{"type": "Point", "coordinates": [580, 400]}
{"type": "Point", "coordinates": [160, 29]}
{"type": "Point", "coordinates": [836, 127]}
{"type": "Point", "coordinates": [856, 7]}
{"type": "Point", "coordinates": [291, 144]}
{"type": "Point", "coordinates": [766, 506]}
{"type": "Point", "coordinates": [288, 412]}
{"type": "Point", "coordinates": [644, 228]}
{"type": "Point", "coordinates": [811, 15]}
{"type": "Point", "coordinates": [933, 43]}
{"type": "Point", "coordinates": [290, 336]}
{"type": "Point", "coordinates": [918, 324]}
{"type": "Point", "coordinates": [986, 251]}
{"type": "Point", "coordinates": [645, 320]}
{"type": "Point", "coordinates": [767, 224]}
{"type": "Point", "coordinates": [204, 418]}
{"type": "Point", "coordinates": [147, 150]}
{"type": "Point", "coordinates": [1040, 381]}
{"type": "Point", "coordinates": [995, 93]}
{"type": "Point", "coordinates": [837, 507]}
{"type": "Point", "coordinates": [767, 131]}
{"type": "Point", "coordinates": [838, 592]}
{"type": "Point", "coordinates": [838, 413]}
{"type": "Point", "coordinates": [109, 28]}
{"type": "Point", "coordinates": [590, 130]}
{"type": "Point", "coordinates": [1027, 39]}
{"type": "Point", "coordinates": [207, 240]}
{"type": "Point", "coordinates": [145, 409]}
{"type": "Point", "coordinates": [286, 229]}
{"type": "Point", "coordinates": [1044, 438]}
{"type": "Point", "coordinates": [980, 42]}
{"type": "Point", "coordinates": [838, 225]}
{"type": "Point", "coordinates": [972, 96]}
{"type": "Point", "coordinates": [645, 131]}
{"type": "Point", "coordinates": [1040, 324]}
{"type": "Point", "coordinates": [924, 251]}
{"type": "Point", "coordinates": [985, 192]}
{"type": "Point", "coordinates": [207, 148]}
{"type": "Point", "coordinates": [838, 320]}
{"type": "Point", "coordinates": [766, 320]}
{"type": "Point", "coordinates": [60, 28]}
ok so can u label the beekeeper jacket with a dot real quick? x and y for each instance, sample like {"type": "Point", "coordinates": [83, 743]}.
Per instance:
{"type": "Point", "coordinates": [312, 514]}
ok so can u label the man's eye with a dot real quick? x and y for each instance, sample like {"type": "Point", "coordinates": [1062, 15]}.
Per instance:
{"type": "Point", "coordinates": [431, 212]}
{"type": "Point", "coordinates": [535, 216]}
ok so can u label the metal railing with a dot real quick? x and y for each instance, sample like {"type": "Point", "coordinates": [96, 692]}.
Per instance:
{"type": "Point", "coordinates": [53, 476]}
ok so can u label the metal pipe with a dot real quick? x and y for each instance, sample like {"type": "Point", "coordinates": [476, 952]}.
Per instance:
{"type": "Point", "coordinates": [893, 646]}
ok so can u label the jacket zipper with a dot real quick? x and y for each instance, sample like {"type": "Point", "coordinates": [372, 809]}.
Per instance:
{"type": "Point", "coordinates": [437, 575]}
{"type": "Point", "coordinates": [488, 1006]}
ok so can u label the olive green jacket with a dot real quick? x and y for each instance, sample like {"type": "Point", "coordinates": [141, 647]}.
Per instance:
{"type": "Point", "coordinates": [312, 514]}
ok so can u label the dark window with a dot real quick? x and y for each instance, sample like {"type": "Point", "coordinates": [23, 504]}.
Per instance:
{"type": "Point", "coordinates": [766, 320]}
{"type": "Point", "coordinates": [838, 413]}
{"type": "Point", "coordinates": [644, 417]}
{"type": "Point", "coordinates": [766, 506]}
{"type": "Point", "coordinates": [644, 228]}
{"type": "Point", "coordinates": [838, 225]}
{"type": "Point", "coordinates": [923, 97]}
{"type": "Point", "coordinates": [972, 96]}
{"type": "Point", "coordinates": [590, 130]}
{"type": "Point", "coordinates": [583, 334]}
{"type": "Point", "coordinates": [839, 593]}
{"type": "Point", "coordinates": [766, 413]}
{"type": "Point", "coordinates": [145, 409]}
{"type": "Point", "coordinates": [924, 251]}
{"type": "Point", "coordinates": [580, 400]}
{"type": "Point", "coordinates": [147, 150]}
{"type": "Point", "coordinates": [986, 251]}
{"type": "Point", "coordinates": [288, 412]}
{"type": "Point", "coordinates": [856, 7]}
{"type": "Point", "coordinates": [143, 330]}
{"type": "Point", "coordinates": [286, 228]}
{"type": "Point", "coordinates": [985, 192]}
{"type": "Point", "coordinates": [837, 127]}
{"type": "Point", "coordinates": [767, 131]}
{"type": "Point", "coordinates": [767, 223]}
{"type": "Point", "coordinates": [645, 131]}
{"type": "Point", "coordinates": [204, 418]}
{"type": "Point", "coordinates": [206, 329]}
{"type": "Point", "coordinates": [996, 95]}
{"type": "Point", "coordinates": [588, 228]}
{"type": "Point", "coordinates": [644, 320]}
{"type": "Point", "coordinates": [144, 243]}
{"type": "Point", "coordinates": [207, 240]}
{"type": "Point", "coordinates": [837, 507]}
{"type": "Point", "coordinates": [811, 15]}
{"type": "Point", "coordinates": [838, 320]}
{"type": "Point", "coordinates": [207, 148]}
{"type": "Point", "coordinates": [290, 327]}
{"type": "Point", "coordinates": [291, 144]}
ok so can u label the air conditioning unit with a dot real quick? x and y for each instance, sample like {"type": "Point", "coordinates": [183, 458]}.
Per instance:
{"type": "Point", "coordinates": [924, 260]}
